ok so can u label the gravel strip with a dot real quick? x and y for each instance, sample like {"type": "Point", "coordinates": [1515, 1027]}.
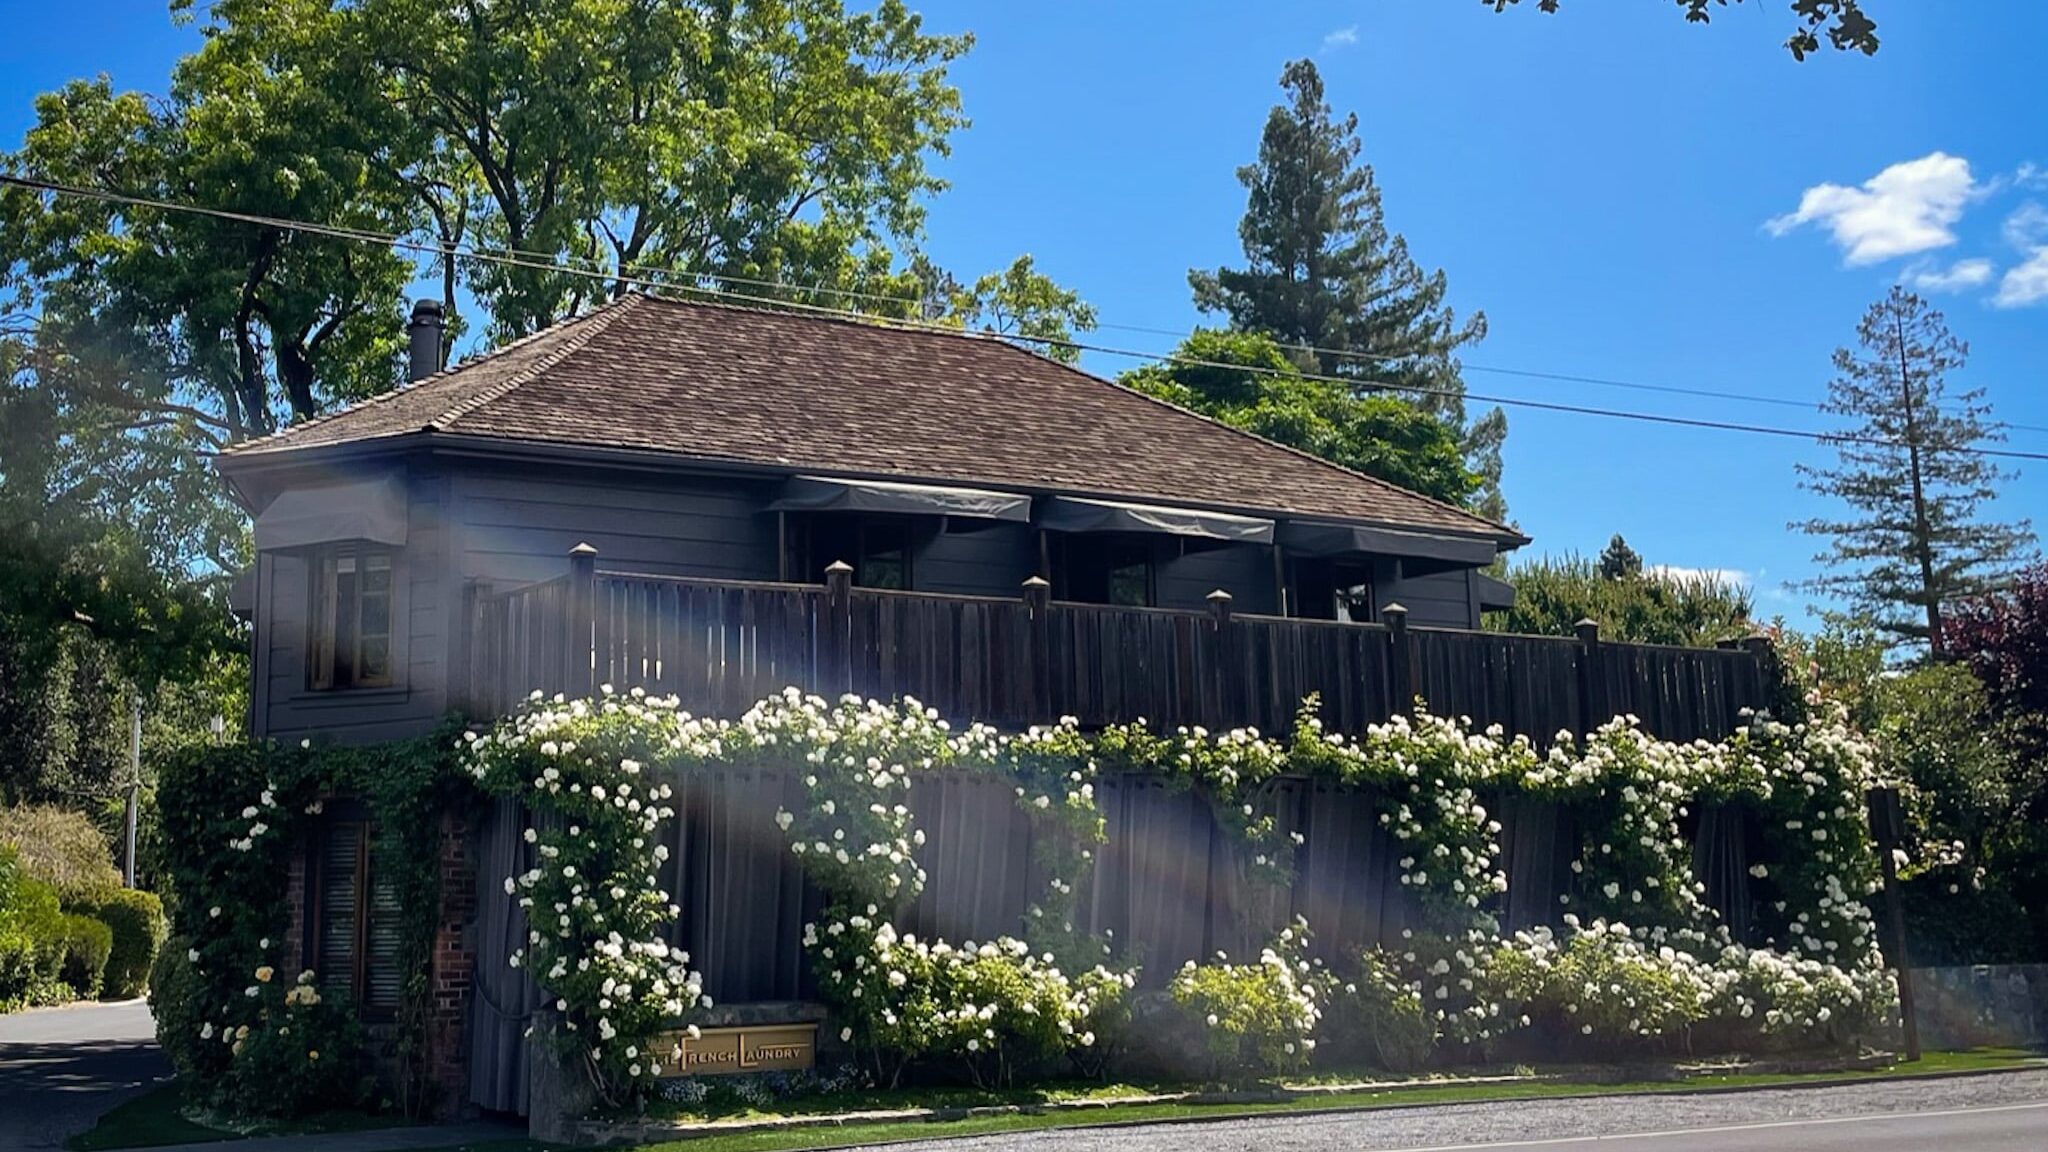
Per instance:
{"type": "Point", "coordinates": [1523, 1119]}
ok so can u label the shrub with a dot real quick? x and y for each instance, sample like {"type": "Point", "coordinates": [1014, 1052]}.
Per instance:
{"type": "Point", "coordinates": [1259, 1018]}
{"type": "Point", "coordinates": [1379, 1017]}
{"type": "Point", "coordinates": [63, 849]}
{"type": "Point", "coordinates": [31, 938]}
{"type": "Point", "coordinates": [299, 1057]}
{"type": "Point", "coordinates": [137, 920]}
{"type": "Point", "coordinates": [87, 944]}
{"type": "Point", "coordinates": [999, 1008]}
{"type": "Point", "coordinates": [177, 1003]}
{"type": "Point", "coordinates": [1601, 990]}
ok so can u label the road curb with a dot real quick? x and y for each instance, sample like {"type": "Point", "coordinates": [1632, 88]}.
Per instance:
{"type": "Point", "coordinates": [613, 1134]}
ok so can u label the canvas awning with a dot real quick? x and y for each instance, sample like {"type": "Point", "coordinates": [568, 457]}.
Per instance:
{"type": "Point", "coordinates": [371, 510]}
{"type": "Point", "coordinates": [1493, 593]}
{"type": "Point", "coordinates": [826, 494]}
{"type": "Point", "coordinates": [1075, 514]}
{"type": "Point", "coordinates": [1320, 538]}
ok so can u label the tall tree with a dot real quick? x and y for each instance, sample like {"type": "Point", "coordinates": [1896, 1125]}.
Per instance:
{"type": "Point", "coordinates": [1324, 276]}
{"type": "Point", "coordinates": [1019, 302]}
{"type": "Point", "coordinates": [1618, 561]}
{"type": "Point", "coordinates": [1245, 380]}
{"type": "Point", "coordinates": [1843, 21]}
{"type": "Point", "coordinates": [1914, 538]}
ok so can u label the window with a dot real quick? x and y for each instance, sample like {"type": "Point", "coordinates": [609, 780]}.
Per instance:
{"type": "Point", "coordinates": [1094, 569]}
{"type": "Point", "coordinates": [353, 920]}
{"type": "Point", "coordinates": [884, 556]}
{"type": "Point", "coordinates": [350, 644]}
{"type": "Point", "coordinates": [1130, 576]}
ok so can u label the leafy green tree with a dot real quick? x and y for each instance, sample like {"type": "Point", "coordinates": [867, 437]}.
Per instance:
{"type": "Point", "coordinates": [1913, 539]}
{"type": "Point", "coordinates": [1843, 21]}
{"type": "Point", "coordinates": [1243, 379]}
{"type": "Point", "coordinates": [1552, 594]}
{"type": "Point", "coordinates": [1327, 280]}
{"type": "Point", "coordinates": [1618, 561]}
{"type": "Point", "coordinates": [1018, 301]}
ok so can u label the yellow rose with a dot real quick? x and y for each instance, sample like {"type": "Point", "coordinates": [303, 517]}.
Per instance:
{"type": "Point", "coordinates": [313, 1055]}
{"type": "Point", "coordinates": [264, 974]}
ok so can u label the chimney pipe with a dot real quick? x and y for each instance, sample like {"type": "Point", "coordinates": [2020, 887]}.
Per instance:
{"type": "Point", "coordinates": [425, 335]}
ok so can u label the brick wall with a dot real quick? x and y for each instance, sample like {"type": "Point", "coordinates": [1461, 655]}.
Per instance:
{"type": "Point", "coordinates": [454, 966]}
{"type": "Point", "coordinates": [293, 957]}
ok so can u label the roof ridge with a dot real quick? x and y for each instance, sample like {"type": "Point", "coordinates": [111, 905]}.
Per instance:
{"type": "Point", "coordinates": [1353, 473]}
{"type": "Point", "coordinates": [412, 386]}
{"type": "Point", "coordinates": [589, 326]}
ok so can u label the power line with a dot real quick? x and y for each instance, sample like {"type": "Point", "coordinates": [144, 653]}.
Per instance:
{"type": "Point", "coordinates": [537, 262]}
{"type": "Point", "coordinates": [1561, 377]}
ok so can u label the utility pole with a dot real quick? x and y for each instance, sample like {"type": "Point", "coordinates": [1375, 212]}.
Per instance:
{"type": "Point", "coordinates": [134, 778]}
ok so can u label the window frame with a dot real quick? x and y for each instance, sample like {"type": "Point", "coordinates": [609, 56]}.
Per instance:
{"type": "Point", "coordinates": [350, 819]}
{"type": "Point", "coordinates": [323, 618]}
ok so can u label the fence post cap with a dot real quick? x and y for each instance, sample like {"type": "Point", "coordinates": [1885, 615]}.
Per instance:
{"type": "Point", "coordinates": [1037, 582]}
{"type": "Point", "coordinates": [838, 567]}
{"type": "Point", "coordinates": [1588, 629]}
{"type": "Point", "coordinates": [1218, 596]}
{"type": "Point", "coordinates": [583, 549]}
{"type": "Point", "coordinates": [1394, 611]}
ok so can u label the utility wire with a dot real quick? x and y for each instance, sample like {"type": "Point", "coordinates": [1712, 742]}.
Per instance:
{"type": "Point", "coordinates": [542, 263]}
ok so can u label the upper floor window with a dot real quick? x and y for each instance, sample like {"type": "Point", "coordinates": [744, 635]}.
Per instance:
{"type": "Point", "coordinates": [1130, 575]}
{"type": "Point", "coordinates": [350, 641]}
{"type": "Point", "coordinates": [884, 556]}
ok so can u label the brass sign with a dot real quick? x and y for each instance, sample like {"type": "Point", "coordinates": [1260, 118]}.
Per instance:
{"type": "Point", "coordinates": [762, 1048]}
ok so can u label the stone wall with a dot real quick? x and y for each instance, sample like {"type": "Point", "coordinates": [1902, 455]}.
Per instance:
{"type": "Point", "coordinates": [2005, 1005]}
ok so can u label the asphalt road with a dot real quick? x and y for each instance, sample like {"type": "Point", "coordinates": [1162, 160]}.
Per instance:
{"type": "Point", "coordinates": [2003, 1113]}
{"type": "Point", "coordinates": [61, 1067]}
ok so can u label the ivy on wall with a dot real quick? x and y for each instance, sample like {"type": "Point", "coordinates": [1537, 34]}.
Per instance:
{"type": "Point", "coordinates": [234, 817]}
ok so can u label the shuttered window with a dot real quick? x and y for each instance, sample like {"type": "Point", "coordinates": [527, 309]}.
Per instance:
{"type": "Point", "coordinates": [354, 927]}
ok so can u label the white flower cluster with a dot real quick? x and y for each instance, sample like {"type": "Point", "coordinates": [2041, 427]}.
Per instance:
{"type": "Point", "coordinates": [260, 814]}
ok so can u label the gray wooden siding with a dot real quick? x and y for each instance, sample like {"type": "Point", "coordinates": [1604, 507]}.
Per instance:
{"type": "Point", "coordinates": [518, 526]}
{"type": "Point", "coordinates": [497, 525]}
{"type": "Point", "coordinates": [285, 708]}
{"type": "Point", "coordinates": [994, 561]}
{"type": "Point", "coordinates": [1244, 571]}
{"type": "Point", "coordinates": [1439, 600]}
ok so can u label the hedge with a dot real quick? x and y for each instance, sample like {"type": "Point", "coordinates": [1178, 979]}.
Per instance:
{"type": "Point", "coordinates": [138, 924]}
{"type": "Point", "coordinates": [87, 944]}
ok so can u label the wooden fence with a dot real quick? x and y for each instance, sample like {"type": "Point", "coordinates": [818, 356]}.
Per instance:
{"type": "Point", "coordinates": [722, 645]}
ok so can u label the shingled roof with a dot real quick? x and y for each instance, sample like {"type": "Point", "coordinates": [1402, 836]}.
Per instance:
{"type": "Point", "coordinates": [815, 394]}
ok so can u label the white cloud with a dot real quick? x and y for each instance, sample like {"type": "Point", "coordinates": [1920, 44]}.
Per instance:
{"type": "Point", "coordinates": [1343, 37]}
{"type": "Point", "coordinates": [1970, 273]}
{"type": "Point", "coordinates": [2027, 226]}
{"type": "Point", "coordinates": [1904, 209]}
{"type": "Point", "coordinates": [2025, 283]}
{"type": "Point", "coordinates": [1679, 572]}
{"type": "Point", "coordinates": [2031, 175]}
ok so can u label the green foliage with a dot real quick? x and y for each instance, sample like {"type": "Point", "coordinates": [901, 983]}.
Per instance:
{"type": "Point", "coordinates": [1552, 594]}
{"type": "Point", "coordinates": [1379, 1018]}
{"type": "Point", "coordinates": [31, 938]}
{"type": "Point", "coordinates": [1843, 21]}
{"type": "Point", "coordinates": [1018, 301]}
{"type": "Point", "coordinates": [62, 849]}
{"type": "Point", "coordinates": [137, 921]}
{"type": "Point", "coordinates": [1243, 379]}
{"type": "Point", "coordinates": [1256, 1019]}
{"type": "Point", "coordinates": [1618, 561]}
{"type": "Point", "coordinates": [1324, 277]}
{"type": "Point", "coordinates": [299, 1055]}
{"type": "Point", "coordinates": [179, 1005]}
{"type": "Point", "coordinates": [1914, 537]}
{"type": "Point", "coordinates": [87, 944]}
{"type": "Point", "coordinates": [232, 816]}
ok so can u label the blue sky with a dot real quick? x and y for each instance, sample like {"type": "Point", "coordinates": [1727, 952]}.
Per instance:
{"type": "Point", "coordinates": [1602, 183]}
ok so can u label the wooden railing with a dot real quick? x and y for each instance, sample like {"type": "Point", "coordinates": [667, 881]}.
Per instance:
{"type": "Point", "coordinates": [722, 645]}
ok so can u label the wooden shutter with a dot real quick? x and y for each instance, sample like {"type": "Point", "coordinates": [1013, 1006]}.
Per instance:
{"type": "Point", "coordinates": [343, 859]}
